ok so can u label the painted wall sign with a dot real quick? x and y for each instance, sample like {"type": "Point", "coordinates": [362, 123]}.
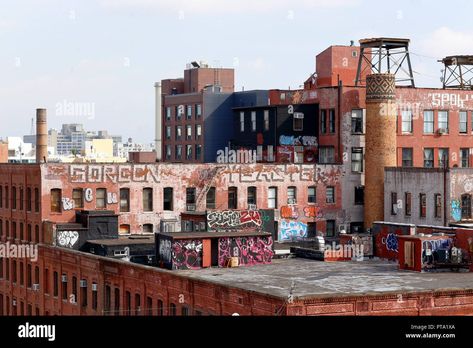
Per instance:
{"type": "Point", "coordinates": [113, 173]}
{"type": "Point", "coordinates": [234, 219]}
{"type": "Point", "coordinates": [67, 239]}
{"type": "Point", "coordinates": [88, 195]}
{"type": "Point", "coordinates": [448, 99]}
{"type": "Point", "coordinates": [292, 230]}
{"type": "Point", "coordinates": [112, 198]}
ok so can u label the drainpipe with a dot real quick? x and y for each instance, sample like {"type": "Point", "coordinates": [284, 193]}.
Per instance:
{"type": "Point", "coordinates": [339, 123]}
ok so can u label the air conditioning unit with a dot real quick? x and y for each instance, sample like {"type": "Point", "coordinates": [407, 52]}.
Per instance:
{"type": "Point", "coordinates": [64, 278]}
{"type": "Point", "coordinates": [13, 302]}
{"type": "Point", "coordinates": [342, 229]}
{"type": "Point", "coordinates": [298, 115]}
{"type": "Point", "coordinates": [94, 287]}
{"type": "Point", "coordinates": [442, 131]}
{"type": "Point", "coordinates": [35, 287]}
{"type": "Point", "coordinates": [190, 207]}
{"type": "Point", "coordinates": [291, 201]}
{"type": "Point", "coordinates": [83, 283]}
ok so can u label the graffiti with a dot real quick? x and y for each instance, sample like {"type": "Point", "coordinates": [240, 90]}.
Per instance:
{"type": "Point", "coordinates": [430, 247]}
{"type": "Point", "coordinates": [165, 251]}
{"type": "Point", "coordinates": [448, 99]}
{"type": "Point", "coordinates": [249, 250]}
{"type": "Point", "coordinates": [312, 212]}
{"type": "Point", "coordinates": [289, 212]}
{"type": "Point", "coordinates": [292, 230]}
{"type": "Point", "coordinates": [67, 239]}
{"type": "Point", "coordinates": [456, 211]}
{"type": "Point", "coordinates": [305, 140]}
{"type": "Point", "coordinates": [234, 219]}
{"type": "Point", "coordinates": [391, 242]}
{"type": "Point", "coordinates": [89, 195]}
{"type": "Point", "coordinates": [113, 173]}
{"type": "Point", "coordinates": [468, 185]}
{"type": "Point", "coordinates": [67, 204]}
{"type": "Point", "coordinates": [112, 198]}
{"type": "Point", "coordinates": [187, 254]}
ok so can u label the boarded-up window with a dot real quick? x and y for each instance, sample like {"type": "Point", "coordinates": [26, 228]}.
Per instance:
{"type": "Point", "coordinates": [101, 198]}
{"type": "Point", "coordinates": [56, 200]}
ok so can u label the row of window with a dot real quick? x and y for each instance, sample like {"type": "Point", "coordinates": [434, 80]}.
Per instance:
{"type": "Point", "coordinates": [428, 153]}
{"type": "Point", "coordinates": [397, 204]}
{"type": "Point", "coordinates": [265, 127]}
{"type": "Point", "coordinates": [181, 110]}
{"type": "Point", "coordinates": [327, 121]}
{"type": "Point", "coordinates": [22, 235]}
{"type": "Point", "coordinates": [17, 198]}
{"type": "Point", "coordinates": [178, 155]}
{"type": "Point", "coordinates": [14, 307]}
{"type": "Point", "coordinates": [191, 198]}
{"type": "Point", "coordinates": [429, 123]}
{"type": "Point", "coordinates": [178, 132]}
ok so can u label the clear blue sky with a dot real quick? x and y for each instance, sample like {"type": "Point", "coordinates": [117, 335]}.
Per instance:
{"type": "Point", "coordinates": [108, 53]}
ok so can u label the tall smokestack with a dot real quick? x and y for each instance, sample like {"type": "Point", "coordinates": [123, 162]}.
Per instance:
{"type": "Point", "coordinates": [158, 121]}
{"type": "Point", "coordinates": [41, 136]}
{"type": "Point", "coordinates": [380, 142]}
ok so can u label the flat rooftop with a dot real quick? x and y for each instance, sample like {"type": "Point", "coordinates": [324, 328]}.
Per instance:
{"type": "Point", "coordinates": [123, 241]}
{"type": "Point", "coordinates": [317, 279]}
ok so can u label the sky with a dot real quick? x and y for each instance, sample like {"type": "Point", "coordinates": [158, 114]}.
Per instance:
{"type": "Point", "coordinates": [102, 57]}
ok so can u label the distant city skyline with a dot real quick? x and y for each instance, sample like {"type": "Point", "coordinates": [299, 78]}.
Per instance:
{"type": "Point", "coordinates": [104, 56]}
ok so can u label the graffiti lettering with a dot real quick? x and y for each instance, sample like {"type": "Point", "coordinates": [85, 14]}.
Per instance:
{"type": "Point", "coordinates": [89, 195]}
{"type": "Point", "coordinates": [112, 198]}
{"type": "Point", "coordinates": [448, 99]}
{"type": "Point", "coordinates": [292, 230]}
{"type": "Point", "coordinates": [113, 173]}
{"type": "Point", "coordinates": [313, 212]}
{"type": "Point", "coordinates": [233, 219]}
{"type": "Point", "coordinates": [456, 211]}
{"type": "Point", "coordinates": [67, 204]}
{"type": "Point", "coordinates": [67, 239]}
{"type": "Point", "coordinates": [289, 212]}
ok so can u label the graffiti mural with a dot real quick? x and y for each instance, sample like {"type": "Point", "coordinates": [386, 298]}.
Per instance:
{"type": "Point", "coordinates": [67, 239]}
{"type": "Point", "coordinates": [112, 198]}
{"type": "Point", "coordinates": [234, 219]}
{"type": "Point", "coordinates": [292, 230]}
{"type": "Point", "coordinates": [431, 247]}
{"type": "Point", "coordinates": [67, 204]}
{"type": "Point", "coordinates": [249, 250]}
{"type": "Point", "coordinates": [165, 250]}
{"type": "Point", "coordinates": [456, 211]}
{"type": "Point", "coordinates": [312, 212]}
{"type": "Point", "coordinates": [391, 242]}
{"type": "Point", "coordinates": [289, 212]}
{"type": "Point", "coordinates": [305, 140]}
{"type": "Point", "coordinates": [187, 254]}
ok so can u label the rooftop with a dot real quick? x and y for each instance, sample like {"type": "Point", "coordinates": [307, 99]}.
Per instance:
{"type": "Point", "coordinates": [208, 234]}
{"type": "Point", "coordinates": [316, 279]}
{"type": "Point", "coordinates": [123, 241]}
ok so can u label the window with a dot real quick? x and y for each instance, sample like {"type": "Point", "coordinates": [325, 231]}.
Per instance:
{"type": "Point", "coordinates": [116, 305]}
{"type": "Point", "coordinates": [189, 152]}
{"type": "Point", "coordinates": [13, 229]}
{"type": "Point", "coordinates": [357, 159]}
{"type": "Point", "coordinates": [74, 289]}
{"type": "Point", "coordinates": [83, 292]}
{"type": "Point", "coordinates": [198, 131]}
{"type": "Point", "coordinates": [298, 121]}
{"type": "Point", "coordinates": [179, 112]}
{"type": "Point", "coordinates": [78, 198]}
{"type": "Point", "coordinates": [253, 121]}
{"type": "Point", "coordinates": [326, 154]}
{"type": "Point", "coordinates": [29, 233]}
{"type": "Point", "coordinates": [357, 121]}
{"type": "Point", "coordinates": [330, 229]}
{"type": "Point", "coordinates": [94, 296]}
{"type": "Point", "coordinates": [291, 195]}
{"type": "Point", "coordinates": [422, 205]}
{"type": "Point", "coordinates": [443, 158]}
{"type": "Point", "coordinates": [36, 234]}
{"type": "Point", "coordinates": [359, 195]}
{"type": "Point", "coordinates": [266, 120]}
{"type": "Point", "coordinates": [198, 151]}
{"type": "Point", "coordinates": [198, 110]}
{"type": "Point", "coordinates": [168, 113]}
{"type": "Point", "coordinates": [465, 158]}
{"type": "Point", "coordinates": [210, 198]}
{"type": "Point", "coordinates": [168, 198]}
{"type": "Point", "coordinates": [22, 274]}
{"type": "Point", "coordinates": [428, 122]}
{"type": "Point", "coordinates": [36, 200]}
{"type": "Point", "coordinates": [272, 197]}
{"type": "Point", "coordinates": [393, 203]}
{"type": "Point", "coordinates": [101, 198]}
{"type": "Point", "coordinates": [128, 302]}
{"type": "Point", "coordinates": [407, 157]}
{"type": "Point", "coordinates": [178, 152]}
{"type": "Point", "coordinates": [251, 195]}
{"type": "Point", "coordinates": [311, 196]}
{"type": "Point", "coordinates": [147, 199]}
{"type": "Point", "coordinates": [21, 198]}
{"type": "Point", "coordinates": [124, 229]}
{"type": "Point", "coordinates": [14, 272]}
{"type": "Point", "coordinates": [323, 121]}
{"type": "Point", "coordinates": [232, 197]}
{"type": "Point", "coordinates": [137, 304]}
{"type": "Point", "coordinates": [107, 302]}
{"type": "Point", "coordinates": [46, 281]}
{"type": "Point", "coordinates": [56, 200]}
{"type": "Point", "coordinates": [407, 203]}
{"type": "Point", "coordinates": [178, 132]}
{"type": "Point", "coordinates": [189, 132]}
{"type": "Point", "coordinates": [331, 120]}
{"type": "Point", "coordinates": [190, 198]}
{"type": "Point", "coordinates": [428, 158]}
{"type": "Point", "coordinates": [330, 195]}
{"type": "Point", "coordinates": [407, 121]}
{"type": "Point", "coordinates": [168, 132]}
{"type": "Point", "coordinates": [466, 206]}
{"type": "Point", "coordinates": [55, 284]}
{"type": "Point", "coordinates": [22, 234]}
{"type": "Point", "coordinates": [242, 121]}
{"type": "Point", "coordinates": [1, 196]}
{"type": "Point", "coordinates": [168, 152]}
{"type": "Point", "coordinates": [1, 228]}
{"type": "Point", "coordinates": [463, 122]}
{"type": "Point", "coordinates": [172, 309]}
{"type": "Point", "coordinates": [124, 200]}
{"type": "Point", "coordinates": [443, 120]}
{"type": "Point", "coordinates": [149, 305]}
{"type": "Point", "coordinates": [438, 205]}
{"type": "Point", "coordinates": [13, 197]}
{"type": "Point", "coordinates": [64, 286]}
{"type": "Point", "coordinates": [160, 308]}
{"type": "Point", "coordinates": [189, 112]}
{"type": "Point", "coordinates": [184, 311]}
